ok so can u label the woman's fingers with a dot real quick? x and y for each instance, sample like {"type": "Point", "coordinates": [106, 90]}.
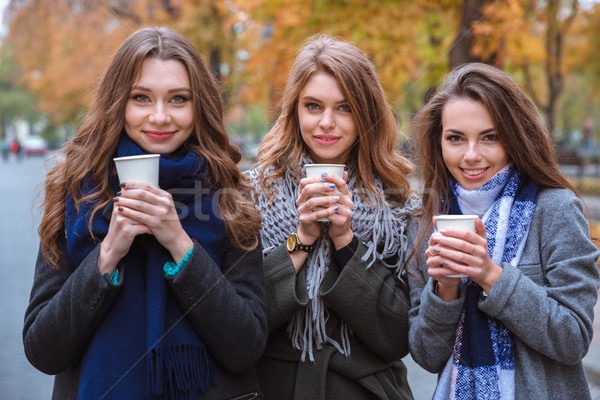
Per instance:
{"type": "Point", "coordinates": [122, 231]}
{"type": "Point", "coordinates": [439, 269]}
{"type": "Point", "coordinates": [326, 185]}
{"type": "Point", "coordinates": [463, 241]}
{"type": "Point", "coordinates": [147, 204]}
{"type": "Point", "coordinates": [145, 193]}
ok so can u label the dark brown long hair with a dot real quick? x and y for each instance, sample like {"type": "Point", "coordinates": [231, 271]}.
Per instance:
{"type": "Point", "coordinates": [89, 155]}
{"type": "Point", "coordinates": [374, 152]}
{"type": "Point", "coordinates": [518, 125]}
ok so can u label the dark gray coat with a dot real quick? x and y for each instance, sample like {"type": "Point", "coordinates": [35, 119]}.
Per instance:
{"type": "Point", "coordinates": [374, 304]}
{"type": "Point", "coordinates": [547, 302]}
{"type": "Point", "coordinates": [226, 306]}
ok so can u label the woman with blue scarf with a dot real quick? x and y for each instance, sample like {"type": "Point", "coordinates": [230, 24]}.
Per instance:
{"type": "Point", "coordinates": [520, 322]}
{"type": "Point", "coordinates": [144, 292]}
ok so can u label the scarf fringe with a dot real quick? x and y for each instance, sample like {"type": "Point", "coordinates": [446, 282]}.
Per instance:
{"type": "Point", "coordinates": [177, 373]}
{"type": "Point", "coordinates": [381, 226]}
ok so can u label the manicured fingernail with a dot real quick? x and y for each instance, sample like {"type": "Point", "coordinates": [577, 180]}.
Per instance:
{"type": "Point", "coordinates": [120, 208]}
{"type": "Point", "coordinates": [331, 185]}
{"type": "Point", "coordinates": [118, 193]}
{"type": "Point", "coordinates": [336, 208]}
{"type": "Point", "coordinates": [123, 184]}
{"type": "Point", "coordinates": [323, 180]}
{"type": "Point", "coordinates": [323, 173]}
{"type": "Point", "coordinates": [115, 199]}
{"type": "Point", "coordinates": [336, 198]}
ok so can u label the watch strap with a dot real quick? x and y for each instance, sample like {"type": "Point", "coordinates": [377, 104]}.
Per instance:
{"type": "Point", "coordinates": [299, 246]}
{"type": "Point", "coordinates": [305, 247]}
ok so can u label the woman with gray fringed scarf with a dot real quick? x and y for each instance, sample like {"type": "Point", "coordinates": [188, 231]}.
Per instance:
{"type": "Point", "coordinates": [519, 323]}
{"type": "Point", "coordinates": [337, 294]}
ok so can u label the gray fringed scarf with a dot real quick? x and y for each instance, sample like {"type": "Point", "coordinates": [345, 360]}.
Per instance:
{"type": "Point", "coordinates": [377, 224]}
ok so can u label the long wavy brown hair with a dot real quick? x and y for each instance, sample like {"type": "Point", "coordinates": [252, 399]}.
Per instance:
{"type": "Point", "coordinates": [89, 155]}
{"type": "Point", "coordinates": [374, 152]}
{"type": "Point", "coordinates": [518, 125]}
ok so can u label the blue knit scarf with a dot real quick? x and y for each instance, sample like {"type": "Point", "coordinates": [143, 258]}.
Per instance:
{"type": "Point", "coordinates": [482, 366]}
{"type": "Point", "coordinates": [145, 347]}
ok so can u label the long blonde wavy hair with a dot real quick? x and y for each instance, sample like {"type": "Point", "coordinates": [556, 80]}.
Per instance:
{"type": "Point", "coordinates": [89, 155]}
{"type": "Point", "coordinates": [374, 152]}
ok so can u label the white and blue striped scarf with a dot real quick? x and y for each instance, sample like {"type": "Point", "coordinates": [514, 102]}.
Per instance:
{"type": "Point", "coordinates": [482, 366]}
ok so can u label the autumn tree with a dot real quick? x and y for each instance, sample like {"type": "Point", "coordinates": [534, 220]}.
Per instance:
{"type": "Point", "coordinates": [584, 57]}
{"type": "Point", "coordinates": [527, 37]}
{"type": "Point", "coordinates": [389, 32]}
{"type": "Point", "coordinates": [461, 51]}
{"type": "Point", "coordinates": [63, 46]}
{"type": "Point", "coordinates": [559, 18]}
{"type": "Point", "coordinates": [15, 102]}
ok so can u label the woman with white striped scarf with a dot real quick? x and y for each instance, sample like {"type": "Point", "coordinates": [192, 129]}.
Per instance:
{"type": "Point", "coordinates": [518, 325]}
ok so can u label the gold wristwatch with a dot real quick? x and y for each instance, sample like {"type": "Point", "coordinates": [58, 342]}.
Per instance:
{"type": "Point", "coordinates": [293, 244]}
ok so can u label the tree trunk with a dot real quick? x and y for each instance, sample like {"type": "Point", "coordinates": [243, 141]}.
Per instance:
{"type": "Point", "coordinates": [460, 53]}
{"type": "Point", "coordinates": [214, 63]}
{"type": "Point", "coordinates": [554, 43]}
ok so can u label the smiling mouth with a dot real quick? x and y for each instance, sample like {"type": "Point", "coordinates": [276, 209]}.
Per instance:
{"type": "Point", "coordinates": [326, 138]}
{"type": "Point", "coordinates": [474, 172]}
{"type": "Point", "coordinates": [159, 135]}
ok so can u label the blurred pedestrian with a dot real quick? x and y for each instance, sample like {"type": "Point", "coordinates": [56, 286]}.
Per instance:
{"type": "Point", "coordinates": [5, 148]}
{"type": "Point", "coordinates": [15, 149]}
{"type": "Point", "coordinates": [337, 294]}
{"type": "Point", "coordinates": [519, 324]}
{"type": "Point", "coordinates": [589, 149]}
{"type": "Point", "coordinates": [142, 291]}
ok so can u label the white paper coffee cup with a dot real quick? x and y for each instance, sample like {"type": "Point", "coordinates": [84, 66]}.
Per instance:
{"type": "Point", "coordinates": [143, 168]}
{"type": "Point", "coordinates": [315, 170]}
{"type": "Point", "coordinates": [456, 222]}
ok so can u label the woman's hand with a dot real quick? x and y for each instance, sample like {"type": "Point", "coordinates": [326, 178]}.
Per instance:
{"type": "Point", "coordinates": [325, 197]}
{"type": "Point", "coordinates": [154, 209]}
{"type": "Point", "coordinates": [122, 230]}
{"type": "Point", "coordinates": [461, 252]}
{"type": "Point", "coordinates": [340, 214]}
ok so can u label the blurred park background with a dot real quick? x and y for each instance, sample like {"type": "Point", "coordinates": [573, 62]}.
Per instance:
{"type": "Point", "coordinates": [52, 53]}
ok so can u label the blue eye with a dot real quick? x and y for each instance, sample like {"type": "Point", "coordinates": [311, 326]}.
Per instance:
{"type": "Point", "coordinates": [345, 108]}
{"type": "Point", "coordinates": [312, 106]}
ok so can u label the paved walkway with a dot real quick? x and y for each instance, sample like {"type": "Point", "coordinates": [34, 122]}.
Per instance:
{"type": "Point", "coordinates": [591, 361]}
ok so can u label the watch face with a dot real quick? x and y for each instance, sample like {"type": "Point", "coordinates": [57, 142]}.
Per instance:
{"type": "Point", "coordinates": [291, 242]}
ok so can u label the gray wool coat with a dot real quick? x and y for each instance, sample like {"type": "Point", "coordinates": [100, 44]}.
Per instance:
{"type": "Point", "coordinates": [547, 302]}
{"type": "Point", "coordinates": [226, 306]}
